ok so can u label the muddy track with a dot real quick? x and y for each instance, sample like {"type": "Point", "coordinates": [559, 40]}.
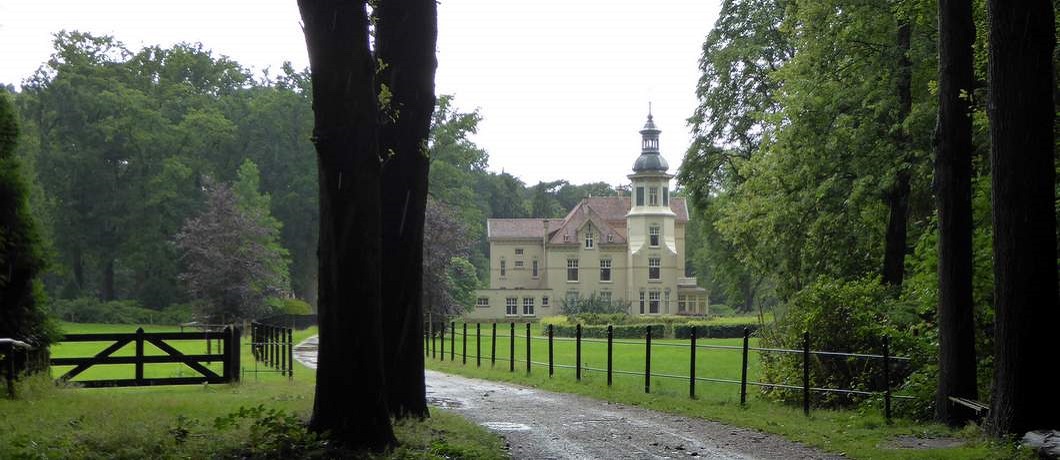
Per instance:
{"type": "Point", "coordinates": [545, 425]}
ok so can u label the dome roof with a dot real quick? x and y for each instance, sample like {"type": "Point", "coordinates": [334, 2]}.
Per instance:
{"type": "Point", "coordinates": [650, 162]}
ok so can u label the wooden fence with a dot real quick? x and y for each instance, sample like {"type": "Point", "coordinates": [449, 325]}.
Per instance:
{"type": "Point", "coordinates": [228, 355]}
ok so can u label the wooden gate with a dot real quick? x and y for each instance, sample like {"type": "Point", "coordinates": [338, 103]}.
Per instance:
{"type": "Point", "coordinates": [228, 356]}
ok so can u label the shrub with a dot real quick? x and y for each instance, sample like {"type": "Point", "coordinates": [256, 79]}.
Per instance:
{"type": "Point", "coordinates": [592, 304]}
{"type": "Point", "coordinates": [627, 331]}
{"type": "Point", "coordinates": [713, 331]}
{"type": "Point", "coordinates": [91, 310]}
{"type": "Point", "coordinates": [595, 319]}
{"type": "Point", "coordinates": [841, 316]}
{"type": "Point", "coordinates": [296, 307]}
{"type": "Point", "coordinates": [722, 310]}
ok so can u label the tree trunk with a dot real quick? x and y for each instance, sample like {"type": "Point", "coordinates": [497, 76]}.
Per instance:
{"type": "Point", "coordinates": [350, 399]}
{"type": "Point", "coordinates": [953, 182]}
{"type": "Point", "coordinates": [79, 269]}
{"type": "Point", "coordinates": [108, 280]}
{"type": "Point", "coordinates": [898, 198]}
{"type": "Point", "coordinates": [406, 37]}
{"type": "Point", "coordinates": [1022, 161]}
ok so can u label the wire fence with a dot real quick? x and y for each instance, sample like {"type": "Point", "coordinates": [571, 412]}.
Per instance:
{"type": "Point", "coordinates": [435, 348]}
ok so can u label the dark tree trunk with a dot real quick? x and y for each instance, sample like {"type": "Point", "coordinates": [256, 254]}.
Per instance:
{"type": "Point", "coordinates": [406, 37]}
{"type": "Point", "coordinates": [108, 280]}
{"type": "Point", "coordinates": [898, 197]}
{"type": "Point", "coordinates": [1023, 179]}
{"type": "Point", "coordinates": [350, 399]}
{"type": "Point", "coordinates": [79, 269]}
{"type": "Point", "coordinates": [953, 182]}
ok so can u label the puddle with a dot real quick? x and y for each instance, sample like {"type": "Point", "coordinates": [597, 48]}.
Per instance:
{"type": "Point", "coordinates": [506, 426]}
{"type": "Point", "coordinates": [444, 403]}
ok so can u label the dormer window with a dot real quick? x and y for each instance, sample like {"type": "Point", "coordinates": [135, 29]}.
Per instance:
{"type": "Point", "coordinates": [589, 239]}
{"type": "Point", "coordinates": [653, 196]}
{"type": "Point", "coordinates": [653, 236]}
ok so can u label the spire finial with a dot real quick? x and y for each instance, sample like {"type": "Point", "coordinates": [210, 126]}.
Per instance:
{"type": "Point", "coordinates": [649, 110]}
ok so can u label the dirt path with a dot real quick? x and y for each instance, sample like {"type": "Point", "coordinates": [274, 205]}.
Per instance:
{"type": "Point", "coordinates": [545, 425]}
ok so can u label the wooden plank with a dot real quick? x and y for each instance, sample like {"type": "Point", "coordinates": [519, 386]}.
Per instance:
{"type": "Point", "coordinates": [103, 354]}
{"type": "Point", "coordinates": [190, 363]}
{"type": "Point", "coordinates": [107, 337]}
{"type": "Point", "coordinates": [150, 359]}
{"type": "Point", "coordinates": [149, 382]}
{"type": "Point", "coordinates": [971, 404]}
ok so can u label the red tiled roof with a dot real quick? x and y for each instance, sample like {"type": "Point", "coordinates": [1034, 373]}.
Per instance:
{"type": "Point", "coordinates": [611, 209]}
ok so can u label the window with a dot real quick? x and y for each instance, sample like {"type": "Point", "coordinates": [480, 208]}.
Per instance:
{"type": "Point", "coordinates": [605, 269]}
{"type": "Point", "coordinates": [605, 296]}
{"type": "Point", "coordinates": [482, 302]}
{"type": "Point", "coordinates": [653, 236]}
{"type": "Point", "coordinates": [666, 196]}
{"type": "Point", "coordinates": [589, 239]}
{"type": "Point", "coordinates": [653, 196]}
{"type": "Point", "coordinates": [511, 306]}
{"type": "Point", "coordinates": [528, 306]}
{"type": "Point", "coordinates": [518, 251]}
{"type": "Point", "coordinates": [610, 237]}
{"type": "Point", "coordinates": [653, 268]}
{"type": "Point", "coordinates": [666, 301]}
{"type": "Point", "coordinates": [572, 269]}
{"type": "Point", "coordinates": [504, 268]}
{"type": "Point", "coordinates": [681, 303]}
{"type": "Point", "coordinates": [642, 302]}
{"type": "Point", "coordinates": [533, 268]}
{"type": "Point", "coordinates": [653, 302]}
{"type": "Point", "coordinates": [518, 264]}
{"type": "Point", "coordinates": [544, 301]}
{"type": "Point", "coordinates": [640, 196]}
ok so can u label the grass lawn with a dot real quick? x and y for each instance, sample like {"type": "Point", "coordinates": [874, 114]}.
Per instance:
{"type": "Point", "coordinates": [179, 421]}
{"type": "Point", "coordinates": [853, 433]}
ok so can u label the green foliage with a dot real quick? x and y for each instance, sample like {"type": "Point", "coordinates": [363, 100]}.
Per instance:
{"type": "Point", "coordinates": [462, 281]}
{"type": "Point", "coordinates": [623, 331]}
{"type": "Point", "coordinates": [274, 434]}
{"type": "Point", "coordinates": [848, 317]}
{"type": "Point", "coordinates": [92, 310]}
{"type": "Point", "coordinates": [295, 307]}
{"type": "Point", "coordinates": [577, 305]}
{"type": "Point", "coordinates": [713, 331]}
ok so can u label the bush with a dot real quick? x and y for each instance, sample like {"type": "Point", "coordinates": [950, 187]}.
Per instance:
{"type": "Point", "coordinates": [595, 319]}
{"type": "Point", "coordinates": [592, 304]}
{"type": "Point", "coordinates": [296, 307]}
{"type": "Point", "coordinates": [722, 310]}
{"type": "Point", "coordinates": [841, 316]}
{"type": "Point", "coordinates": [91, 310]}
{"type": "Point", "coordinates": [712, 331]}
{"type": "Point", "coordinates": [627, 331]}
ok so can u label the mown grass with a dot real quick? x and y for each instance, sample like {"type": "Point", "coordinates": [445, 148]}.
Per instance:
{"type": "Point", "coordinates": [857, 434]}
{"type": "Point", "coordinates": [179, 421]}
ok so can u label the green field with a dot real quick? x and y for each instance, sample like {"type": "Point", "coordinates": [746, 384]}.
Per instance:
{"type": "Point", "coordinates": [856, 434]}
{"type": "Point", "coordinates": [178, 421]}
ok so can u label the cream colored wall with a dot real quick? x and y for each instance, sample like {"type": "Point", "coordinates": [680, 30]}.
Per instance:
{"type": "Point", "coordinates": [516, 277]}
{"type": "Point", "coordinates": [498, 299]}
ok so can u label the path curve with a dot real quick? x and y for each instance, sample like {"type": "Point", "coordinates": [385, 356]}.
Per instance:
{"type": "Point", "coordinates": [541, 424]}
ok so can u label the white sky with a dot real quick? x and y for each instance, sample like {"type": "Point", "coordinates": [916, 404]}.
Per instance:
{"type": "Point", "coordinates": [563, 85]}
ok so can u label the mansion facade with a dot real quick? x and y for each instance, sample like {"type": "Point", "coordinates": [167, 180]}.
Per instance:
{"type": "Point", "coordinates": [620, 248]}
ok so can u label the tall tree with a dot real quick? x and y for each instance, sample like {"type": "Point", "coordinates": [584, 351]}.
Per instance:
{"type": "Point", "coordinates": [1022, 159]}
{"type": "Point", "coordinates": [350, 398]}
{"type": "Point", "coordinates": [406, 34]}
{"type": "Point", "coordinates": [21, 258]}
{"type": "Point", "coordinates": [953, 195]}
{"type": "Point", "coordinates": [897, 197]}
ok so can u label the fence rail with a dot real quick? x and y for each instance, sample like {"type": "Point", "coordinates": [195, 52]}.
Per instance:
{"type": "Point", "coordinates": [434, 338]}
{"type": "Point", "coordinates": [272, 346]}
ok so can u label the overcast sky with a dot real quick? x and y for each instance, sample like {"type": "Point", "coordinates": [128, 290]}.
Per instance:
{"type": "Point", "coordinates": [563, 85]}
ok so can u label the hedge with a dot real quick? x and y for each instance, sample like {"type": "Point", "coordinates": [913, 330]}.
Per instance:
{"type": "Point", "coordinates": [627, 331]}
{"type": "Point", "coordinates": [713, 331]}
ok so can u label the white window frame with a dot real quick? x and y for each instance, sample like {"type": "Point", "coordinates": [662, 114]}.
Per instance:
{"type": "Point", "coordinates": [605, 267]}
{"type": "Point", "coordinates": [642, 302]}
{"type": "Point", "coordinates": [589, 242]}
{"type": "Point", "coordinates": [482, 302]}
{"type": "Point", "coordinates": [504, 268]}
{"type": "Point", "coordinates": [572, 269]}
{"type": "Point", "coordinates": [518, 264]}
{"type": "Point", "coordinates": [544, 301]}
{"type": "Point", "coordinates": [653, 196]}
{"type": "Point", "coordinates": [654, 268]}
{"type": "Point", "coordinates": [654, 235]}
{"type": "Point", "coordinates": [528, 306]}
{"type": "Point", "coordinates": [518, 251]}
{"type": "Point", "coordinates": [605, 296]}
{"type": "Point", "coordinates": [535, 269]}
{"type": "Point", "coordinates": [653, 302]}
{"type": "Point", "coordinates": [511, 306]}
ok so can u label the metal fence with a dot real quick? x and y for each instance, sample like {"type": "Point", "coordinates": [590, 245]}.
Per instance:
{"type": "Point", "coordinates": [272, 347]}
{"type": "Point", "coordinates": [435, 348]}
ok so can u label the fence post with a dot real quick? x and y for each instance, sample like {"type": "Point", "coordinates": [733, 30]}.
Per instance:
{"type": "Point", "coordinates": [743, 371]}
{"type": "Point", "coordinates": [434, 341]}
{"type": "Point", "coordinates": [806, 373]}
{"type": "Point", "coordinates": [234, 343]}
{"type": "Point", "coordinates": [887, 378]}
{"type": "Point", "coordinates": [427, 340]}
{"type": "Point", "coordinates": [452, 341]}
{"type": "Point", "coordinates": [610, 336]}
{"type": "Point", "coordinates": [511, 348]}
{"type": "Point", "coordinates": [578, 352]}
{"type": "Point", "coordinates": [493, 347]}
{"type": "Point", "coordinates": [290, 353]}
{"type": "Point", "coordinates": [692, 366]}
{"type": "Point", "coordinates": [550, 351]}
{"type": "Point", "coordinates": [478, 344]}
{"type": "Point", "coordinates": [647, 359]}
{"type": "Point", "coordinates": [465, 345]}
{"type": "Point", "coordinates": [140, 356]}
{"type": "Point", "coordinates": [253, 340]}
{"type": "Point", "coordinates": [283, 344]}
{"type": "Point", "coordinates": [443, 341]}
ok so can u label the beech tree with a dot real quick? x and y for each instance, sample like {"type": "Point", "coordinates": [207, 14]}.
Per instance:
{"type": "Point", "coordinates": [1022, 160]}
{"type": "Point", "coordinates": [953, 196]}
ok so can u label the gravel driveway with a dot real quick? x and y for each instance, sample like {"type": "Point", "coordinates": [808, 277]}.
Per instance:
{"type": "Point", "coordinates": [545, 425]}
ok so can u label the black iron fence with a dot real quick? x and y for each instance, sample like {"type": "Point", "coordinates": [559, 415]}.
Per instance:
{"type": "Point", "coordinates": [273, 347]}
{"type": "Point", "coordinates": [435, 348]}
